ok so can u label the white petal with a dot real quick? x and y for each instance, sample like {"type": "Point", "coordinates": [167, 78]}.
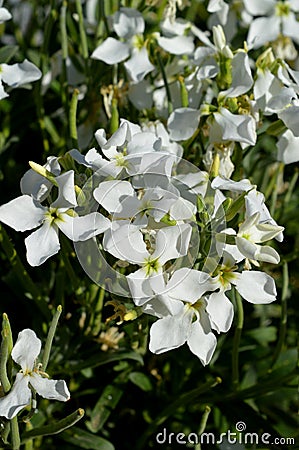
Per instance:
{"type": "Point", "coordinates": [143, 142]}
{"type": "Point", "coordinates": [126, 243]}
{"type": "Point", "coordinates": [172, 242]}
{"type": "Point", "coordinates": [139, 65]}
{"type": "Point", "coordinates": [140, 287]}
{"type": "Point", "coordinates": [189, 285]}
{"type": "Point", "coordinates": [242, 79]}
{"type": "Point", "coordinates": [81, 228]}
{"type": "Point", "coordinates": [240, 128]}
{"type": "Point", "coordinates": [111, 51]}
{"type": "Point", "coordinates": [256, 287]}
{"type": "Point", "coordinates": [22, 213]}
{"type": "Point", "coordinates": [50, 389]}
{"type": "Point", "coordinates": [288, 148]}
{"type": "Point", "coordinates": [170, 332]}
{"type": "Point", "coordinates": [200, 343]}
{"type": "Point", "coordinates": [42, 244]}
{"type": "Point", "coordinates": [35, 184]}
{"type": "Point", "coordinates": [267, 254]}
{"type": "Point", "coordinates": [21, 73]}
{"type": "Point", "coordinates": [231, 185]}
{"type": "Point", "coordinates": [26, 349]}
{"type": "Point", "coordinates": [17, 398]}
{"type": "Point", "coordinates": [110, 194]}
{"type": "Point", "coordinates": [177, 45]}
{"type": "Point", "coordinates": [290, 117]}
{"type": "Point", "coordinates": [263, 30]}
{"type": "Point", "coordinates": [4, 15]}
{"type": "Point", "coordinates": [221, 311]}
{"type": "Point", "coordinates": [66, 191]}
{"type": "Point", "coordinates": [140, 94]}
{"type": "Point", "coordinates": [127, 22]}
{"type": "Point", "coordinates": [258, 8]}
{"type": "Point", "coordinates": [290, 27]}
{"type": "Point", "coordinates": [182, 123]}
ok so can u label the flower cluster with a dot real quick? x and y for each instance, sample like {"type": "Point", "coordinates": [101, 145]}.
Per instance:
{"type": "Point", "coordinates": [162, 219]}
{"type": "Point", "coordinates": [175, 236]}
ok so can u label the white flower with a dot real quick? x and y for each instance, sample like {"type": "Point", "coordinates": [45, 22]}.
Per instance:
{"type": "Point", "coordinates": [24, 213]}
{"type": "Point", "coordinates": [182, 123]}
{"type": "Point", "coordinates": [16, 75]}
{"type": "Point", "coordinates": [251, 233]}
{"type": "Point", "coordinates": [128, 24]}
{"type": "Point", "coordinates": [279, 18]}
{"type": "Point", "coordinates": [24, 353]}
{"type": "Point", "coordinates": [188, 319]}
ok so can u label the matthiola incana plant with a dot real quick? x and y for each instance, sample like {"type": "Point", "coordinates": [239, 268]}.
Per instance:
{"type": "Point", "coordinates": [155, 144]}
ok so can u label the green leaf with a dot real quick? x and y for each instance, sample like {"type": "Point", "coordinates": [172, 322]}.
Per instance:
{"type": "Point", "coordinates": [263, 335]}
{"type": "Point", "coordinates": [141, 380]}
{"type": "Point", "coordinates": [103, 358]}
{"type": "Point", "coordinates": [7, 53]}
{"type": "Point", "coordinates": [83, 439]}
{"type": "Point", "coordinates": [103, 408]}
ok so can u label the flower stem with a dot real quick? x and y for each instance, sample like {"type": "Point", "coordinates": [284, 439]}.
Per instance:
{"type": "Point", "coordinates": [55, 428]}
{"type": "Point", "coordinates": [283, 320]}
{"type": "Point", "coordinates": [15, 434]}
{"type": "Point", "coordinates": [274, 195]}
{"type": "Point", "coordinates": [73, 118]}
{"type": "Point", "coordinates": [203, 424]}
{"type": "Point", "coordinates": [82, 31]}
{"type": "Point", "coordinates": [50, 337]}
{"type": "Point", "coordinates": [237, 338]}
{"type": "Point", "coordinates": [168, 94]}
{"type": "Point", "coordinates": [6, 348]}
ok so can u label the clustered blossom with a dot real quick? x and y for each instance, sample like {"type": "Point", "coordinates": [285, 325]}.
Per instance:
{"type": "Point", "coordinates": [186, 238]}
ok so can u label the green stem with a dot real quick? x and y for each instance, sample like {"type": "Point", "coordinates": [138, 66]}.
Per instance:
{"type": "Point", "coordinates": [283, 320]}
{"type": "Point", "coordinates": [54, 428]}
{"type": "Point", "coordinates": [64, 49]}
{"type": "Point", "coordinates": [6, 348]}
{"type": "Point", "coordinates": [15, 434]}
{"type": "Point", "coordinates": [275, 190]}
{"type": "Point", "coordinates": [50, 337]}
{"type": "Point", "coordinates": [203, 424]}
{"type": "Point", "coordinates": [73, 118]}
{"type": "Point", "coordinates": [168, 94]}
{"type": "Point", "coordinates": [237, 339]}
{"type": "Point", "coordinates": [291, 186]}
{"type": "Point", "coordinates": [82, 31]}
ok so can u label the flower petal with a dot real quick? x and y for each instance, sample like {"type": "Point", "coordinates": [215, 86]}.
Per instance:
{"type": "Point", "coordinates": [66, 191]}
{"type": "Point", "coordinates": [42, 244]}
{"type": "Point", "coordinates": [264, 287]}
{"type": "Point", "coordinates": [182, 123]}
{"type": "Point", "coordinates": [177, 45]}
{"type": "Point", "coordinates": [22, 213]}
{"type": "Point", "coordinates": [220, 311]}
{"type": "Point", "coordinates": [17, 398]}
{"type": "Point", "coordinates": [111, 51]}
{"type": "Point", "coordinates": [17, 74]}
{"type": "Point", "coordinates": [189, 285]}
{"type": "Point", "coordinates": [50, 389]}
{"type": "Point", "coordinates": [200, 343]}
{"type": "Point", "coordinates": [139, 65]}
{"type": "Point", "coordinates": [170, 332]}
{"type": "Point", "coordinates": [81, 228]}
{"type": "Point", "coordinates": [26, 349]}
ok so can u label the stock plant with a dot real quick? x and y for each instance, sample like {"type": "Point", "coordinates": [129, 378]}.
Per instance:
{"type": "Point", "coordinates": [148, 236]}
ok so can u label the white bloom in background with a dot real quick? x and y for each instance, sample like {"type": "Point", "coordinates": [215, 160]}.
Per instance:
{"type": "Point", "coordinates": [16, 75]}
{"type": "Point", "coordinates": [252, 233]}
{"type": "Point", "coordinates": [24, 213]}
{"type": "Point", "coordinates": [182, 123]}
{"type": "Point", "coordinates": [279, 17]}
{"type": "Point", "coordinates": [288, 148]}
{"type": "Point", "coordinates": [24, 353]}
{"type": "Point", "coordinates": [189, 321]}
{"type": "Point", "coordinates": [226, 126]}
{"type": "Point", "coordinates": [175, 39]}
{"type": "Point", "coordinates": [4, 13]}
{"type": "Point", "coordinates": [128, 24]}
